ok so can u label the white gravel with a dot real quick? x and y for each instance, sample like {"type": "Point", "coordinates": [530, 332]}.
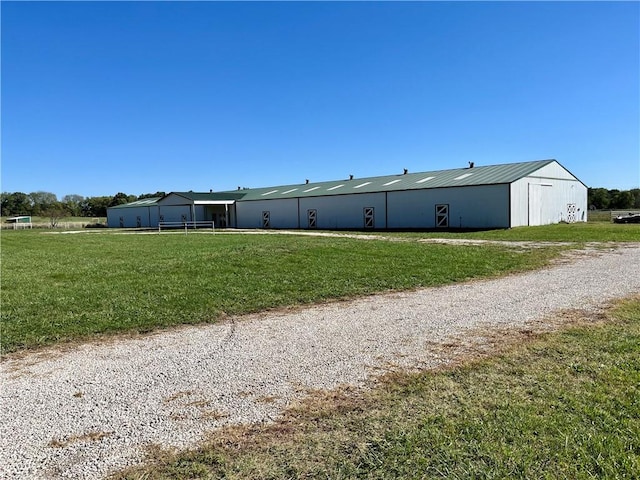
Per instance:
{"type": "Point", "coordinates": [87, 411]}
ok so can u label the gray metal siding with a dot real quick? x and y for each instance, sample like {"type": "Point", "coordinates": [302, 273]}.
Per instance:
{"type": "Point", "coordinates": [174, 213]}
{"type": "Point", "coordinates": [343, 211]}
{"type": "Point", "coordinates": [485, 206]}
{"type": "Point", "coordinates": [283, 213]}
{"type": "Point", "coordinates": [112, 218]}
{"type": "Point", "coordinates": [129, 217]}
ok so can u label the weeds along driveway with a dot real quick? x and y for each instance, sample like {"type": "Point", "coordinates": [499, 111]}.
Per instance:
{"type": "Point", "coordinates": [86, 411]}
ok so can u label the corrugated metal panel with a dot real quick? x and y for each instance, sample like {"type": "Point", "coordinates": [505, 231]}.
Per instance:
{"type": "Point", "coordinates": [145, 202]}
{"type": "Point", "coordinates": [543, 200]}
{"type": "Point", "coordinates": [204, 196]}
{"type": "Point", "coordinates": [459, 177]}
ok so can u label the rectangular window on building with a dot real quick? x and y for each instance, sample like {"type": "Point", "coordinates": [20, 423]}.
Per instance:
{"type": "Point", "coordinates": [266, 219]}
{"type": "Point", "coordinates": [369, 215]}
{"type": "Point", "coordinates": [442, 216]}
{"type": "Point", "coordinates": [312, 216]}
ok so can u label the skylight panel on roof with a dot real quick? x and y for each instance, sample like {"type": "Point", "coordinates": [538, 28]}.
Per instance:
{"type": "Point", "coordinates": [464, 175]}
{"type": "Point", "coordinates": [425, 179]}
{"type": "Point", "coordinates": [391, 182]}
{"type": "Point", "coordinates": [289, 191]}
{"type": "Point", "coordinates": [336, 187]}
{"type": "Point", "coordinates": [362, 184]}
{"type": "Point", "coordinates": [269, 193]}
{"type": "Point", "coordinates": [311, 189]}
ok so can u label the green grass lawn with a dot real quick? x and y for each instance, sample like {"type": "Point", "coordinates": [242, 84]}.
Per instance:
{"type": "Point", "coordinates": [563, 405]}
{"type": "Point", "coordinates": [57, 287]}
{"type": "Point", "coordinates": [574, 232]}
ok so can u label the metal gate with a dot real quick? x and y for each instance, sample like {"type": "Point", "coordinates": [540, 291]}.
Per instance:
{"type": "Point", "coordinates": [266, 219]}
{"type": "Point", "coordinates": [571, 213]}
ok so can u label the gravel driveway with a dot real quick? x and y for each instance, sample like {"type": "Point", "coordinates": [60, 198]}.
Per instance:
{"type": "Point", "coordinates": [86, 411]}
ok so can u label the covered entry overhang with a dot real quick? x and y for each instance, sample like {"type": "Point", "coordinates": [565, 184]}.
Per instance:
{"type": "Point", "coordinates": [199, 207]}
{"type": "Point", "coordinates": [218, 211]}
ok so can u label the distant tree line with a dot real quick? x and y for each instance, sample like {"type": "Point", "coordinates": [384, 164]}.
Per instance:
{"type": "Point", "coordinates": [46, 204]}
{"type": "Point", "coordinates": [603, 199]}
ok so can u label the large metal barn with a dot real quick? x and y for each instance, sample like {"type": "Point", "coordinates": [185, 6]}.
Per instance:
{"type": "Point", "coordinates": [496, 196]}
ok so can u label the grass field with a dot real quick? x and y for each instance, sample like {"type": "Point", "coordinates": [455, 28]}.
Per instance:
{"type": "Point", "coordinates": [563, 405]}
{"type": "Point", "coordinates": [57, 287]}
{"type": "Point", "coordinates": [574, 232]}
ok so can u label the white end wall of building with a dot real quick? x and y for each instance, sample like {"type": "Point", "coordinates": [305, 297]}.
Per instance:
{"type": "Point", "coordinates": [549, 195]}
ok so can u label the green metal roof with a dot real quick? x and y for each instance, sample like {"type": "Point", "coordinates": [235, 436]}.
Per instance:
{"type": "Point", "coordinates": [458, 177]}
{"type": "Point", "coordinates": [145, 202]}
{"type": "Point", "coordinates": [212, 196]}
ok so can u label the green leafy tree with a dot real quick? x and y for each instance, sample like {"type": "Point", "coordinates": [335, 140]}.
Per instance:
{"type": "Point", "coordinates": [73, 204]}
{"type": "Point", "coordinates": [16, 203]}
{"type": "Point", "coordinates": [635, 193]}
{"type": "Point", "coordinates": [151, 195]}
{"type": "Point", "coordinates": [598, 198]}
{"type": "Point", "coordinates": [95, 206]}
{"type": "Point", "coordinates": [122, 198]}
{"type": "Point", "coordinates": [42, 201]}
{"type": "Point", "coordinates": [55, 211]}
{"type": "Point", "coordinates": [622, 200]}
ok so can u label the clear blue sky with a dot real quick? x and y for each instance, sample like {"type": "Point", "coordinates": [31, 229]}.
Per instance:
{"type": "Point", "coordinates": [99, 98]}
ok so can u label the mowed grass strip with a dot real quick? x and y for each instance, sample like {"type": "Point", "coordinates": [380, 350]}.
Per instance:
{"type": "Point", "coordinates": [564, 232]}
{"type": "Point", "coordinates": [562, 405]}
{"type": "Point", "coordinates": [63, 287]}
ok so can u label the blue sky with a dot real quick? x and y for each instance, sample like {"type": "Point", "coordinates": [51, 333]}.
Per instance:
{"type": "Point", "coordinates": [102, 97]}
